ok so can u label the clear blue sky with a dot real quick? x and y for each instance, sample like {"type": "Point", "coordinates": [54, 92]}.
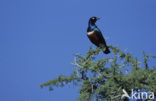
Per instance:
{"type": "Point", "coordinates": [39, 37]}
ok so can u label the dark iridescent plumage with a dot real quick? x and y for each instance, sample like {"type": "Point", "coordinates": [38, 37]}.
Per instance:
{"type": "Point", "coordinates": [95, 36]}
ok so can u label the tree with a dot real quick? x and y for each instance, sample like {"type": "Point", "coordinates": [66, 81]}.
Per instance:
{"type": "Point", "coordinates": [108, 77]}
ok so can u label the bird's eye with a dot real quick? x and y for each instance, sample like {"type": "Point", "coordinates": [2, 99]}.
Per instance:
{"type": "Point", "coordinates": [93, 18]}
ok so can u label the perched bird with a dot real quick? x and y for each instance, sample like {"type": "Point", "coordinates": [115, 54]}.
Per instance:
{"type": "Point", "coordinates": [95, 36]}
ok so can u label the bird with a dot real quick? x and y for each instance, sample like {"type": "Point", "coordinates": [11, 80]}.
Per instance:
{"type": "Point", "coordinates": [95, 36]}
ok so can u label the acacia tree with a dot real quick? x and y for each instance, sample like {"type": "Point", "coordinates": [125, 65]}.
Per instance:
{"type": "Point", "coordinates": [105, 78]}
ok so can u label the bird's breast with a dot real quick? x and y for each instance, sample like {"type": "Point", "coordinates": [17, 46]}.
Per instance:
{"type": "Point", "coordinates": [92, 35]}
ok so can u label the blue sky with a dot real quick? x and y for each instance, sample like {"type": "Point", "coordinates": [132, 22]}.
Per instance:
{"type": "Point", "coordinates": [39, 37]}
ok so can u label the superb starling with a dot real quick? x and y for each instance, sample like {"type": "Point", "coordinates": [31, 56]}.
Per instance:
{"type": "Point", "coordinates": [95, 36]}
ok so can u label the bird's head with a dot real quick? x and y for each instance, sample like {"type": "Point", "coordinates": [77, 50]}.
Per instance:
{"type": "Point", "coordinates": [93, 19]}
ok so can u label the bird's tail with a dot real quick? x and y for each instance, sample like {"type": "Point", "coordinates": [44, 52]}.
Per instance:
{"type": "Point", "coordinates": [106, 51]}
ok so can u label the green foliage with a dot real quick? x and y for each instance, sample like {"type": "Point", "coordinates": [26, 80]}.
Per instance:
{"type": "Point", "coordinates": [104, 78]}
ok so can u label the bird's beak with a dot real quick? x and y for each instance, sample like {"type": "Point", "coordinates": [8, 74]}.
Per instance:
{"type": "Point", "coordinates": [97, 18]}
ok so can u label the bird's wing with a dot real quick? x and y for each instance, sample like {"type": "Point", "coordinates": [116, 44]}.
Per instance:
{"type": "Point", "coordinates": [100, 37]}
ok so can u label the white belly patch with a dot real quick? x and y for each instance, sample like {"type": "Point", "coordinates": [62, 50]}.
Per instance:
{"type": "Point", "coordinates": [90, 33]}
